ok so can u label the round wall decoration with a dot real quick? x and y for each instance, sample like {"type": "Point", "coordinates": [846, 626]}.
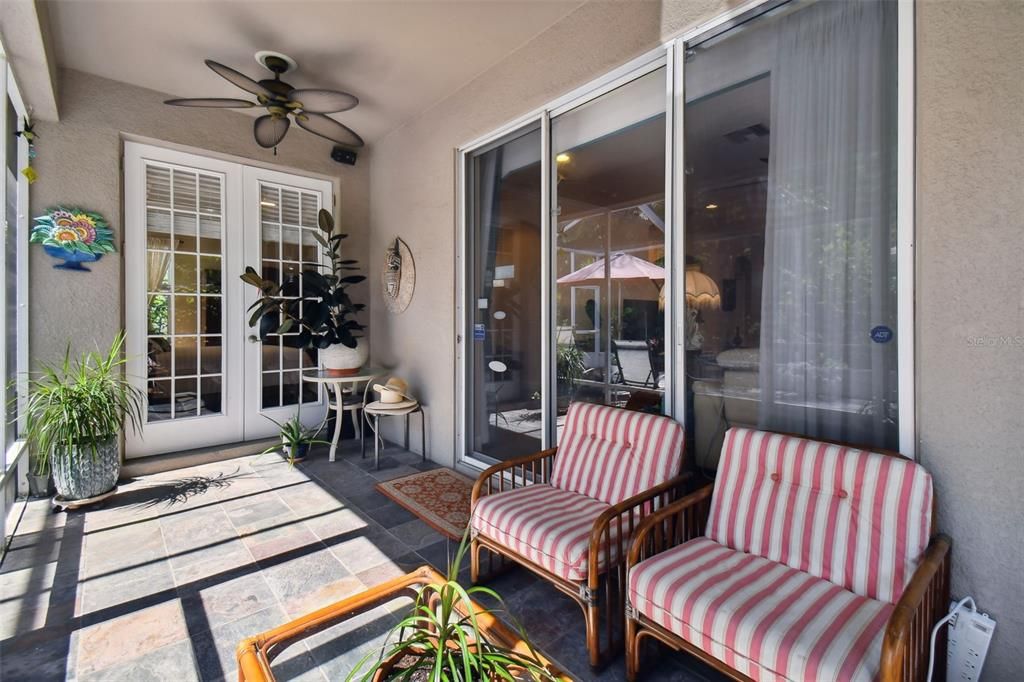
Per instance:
{"type": "Point", "coordinates": [399, 276]}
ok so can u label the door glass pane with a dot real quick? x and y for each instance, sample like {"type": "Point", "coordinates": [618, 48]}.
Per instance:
{"type": "Point", "coordinates": [503, 342]}
{"type": "Point", "coordinates": [609, 201]}
{"type": "Point", "coordinates": [287, 225]}
{"type": "Point", "coordinates": [210, 395]}
{"type": "Point", "coordinates": [176, 351]}
{"type": "Point", "coordinates": [791, 228]}
{"type": "Point", "coordinates": [185, 273]}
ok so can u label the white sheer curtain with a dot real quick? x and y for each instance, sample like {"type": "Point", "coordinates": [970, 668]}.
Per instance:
{"type": "Point", "coordinates": [829, 275]}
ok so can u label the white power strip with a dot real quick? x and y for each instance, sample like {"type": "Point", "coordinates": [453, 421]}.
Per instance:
{"type": "Point", "coordinates": [969, 635]}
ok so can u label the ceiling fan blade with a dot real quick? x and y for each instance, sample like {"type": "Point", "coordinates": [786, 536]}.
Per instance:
{"type": "Point", "coordinates": [239, 79]}
{"type": "Point", "coordinates": [318, 101]}
{"type": "Point", "coordinates": [269, 130]}
{"type": "Point", "coordinates": [321, 125]}
{"type": "Point", "coordinates": [212, 102]}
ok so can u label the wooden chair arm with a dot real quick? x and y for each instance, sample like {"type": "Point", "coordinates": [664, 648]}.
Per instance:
{"type": "Point", "coordinates": [686, 517]}
{"type": "Point", "coordinates": [635, 509]}
{"type": "Point", "coordinates": [482, 486]}
{"type": "Point", "coordinates": [925, 600]}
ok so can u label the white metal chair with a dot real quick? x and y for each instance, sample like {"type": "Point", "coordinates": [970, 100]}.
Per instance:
{"type": "Point", "coordinates": [370, 409]}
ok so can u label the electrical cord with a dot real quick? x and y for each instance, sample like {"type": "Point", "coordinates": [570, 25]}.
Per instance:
{"type": "Point", "coordinates": [935, 630]}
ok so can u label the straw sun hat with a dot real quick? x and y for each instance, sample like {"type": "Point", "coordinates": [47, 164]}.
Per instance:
{"type": "Point", "coordinates": [395, 393]}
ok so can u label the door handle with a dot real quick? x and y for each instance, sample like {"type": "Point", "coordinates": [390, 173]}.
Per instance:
{"type": "Point", "coordinates": [253, 338]}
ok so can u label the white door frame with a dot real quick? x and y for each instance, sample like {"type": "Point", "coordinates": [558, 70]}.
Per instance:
{"type": "Point", "coordinates": [200, 430]}
{"type": "Point", "coordinates": [256, 423]}
{"type": "Point", "coordinates": [242, 414]}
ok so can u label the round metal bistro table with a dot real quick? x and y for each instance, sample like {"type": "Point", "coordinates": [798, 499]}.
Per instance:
{"type": "Point", "coordinates": [341, 401]}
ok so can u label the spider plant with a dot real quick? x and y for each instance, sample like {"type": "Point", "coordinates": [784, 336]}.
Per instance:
{"type": "Point", "coordinates": [78, 406]}
{"type": "Point", "coordinates": [441, 640]}
{"type": "Point", "coordinates": [295, 439]}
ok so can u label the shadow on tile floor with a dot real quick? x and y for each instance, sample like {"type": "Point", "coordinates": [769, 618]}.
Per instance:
{"type": "Point", "coordinates": [164, 580]}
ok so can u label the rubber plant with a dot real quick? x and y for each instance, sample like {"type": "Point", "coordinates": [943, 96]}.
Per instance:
{"type": "Point", "coordinates": [314, 304]}
{"type": "Point", "coordinates": [440, 640]}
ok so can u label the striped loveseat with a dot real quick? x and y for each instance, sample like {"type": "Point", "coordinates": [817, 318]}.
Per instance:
{"type": "Point", "coordinates": [805, 561]}
{"type": "Point", "coordinates": [569, 514]}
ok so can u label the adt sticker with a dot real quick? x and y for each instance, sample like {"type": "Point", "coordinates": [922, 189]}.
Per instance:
{"type": "Point", "coordinates": [479, 331]}
{"type": "Point", "coordinates": [881, 334]}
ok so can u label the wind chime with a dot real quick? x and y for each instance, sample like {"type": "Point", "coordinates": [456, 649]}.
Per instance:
{"type": "Point", "coordinates": [30, 136]}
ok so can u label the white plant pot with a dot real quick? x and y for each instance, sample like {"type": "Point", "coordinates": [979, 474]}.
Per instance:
{"type": "Point", "coordinates": [340, 360]}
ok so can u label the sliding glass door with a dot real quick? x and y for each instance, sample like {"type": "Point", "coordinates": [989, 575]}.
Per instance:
{"type": "Point", "coordinates": [503, 379]}
{"type": "Point", "coordinates": [608, 220]}
{"type": "Point", "coordinates": [790, 226]}
{"type": "Point", "coordinates": [719, 231]}
{"type": "Point", "coordinates": [569, 307]}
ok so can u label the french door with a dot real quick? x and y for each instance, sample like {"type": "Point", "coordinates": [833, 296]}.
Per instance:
{"type": "Point", "coordinates": [192, 224]}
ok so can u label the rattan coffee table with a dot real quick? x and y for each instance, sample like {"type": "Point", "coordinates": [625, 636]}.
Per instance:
{"type": "Point", "coordinates": [256, 655]}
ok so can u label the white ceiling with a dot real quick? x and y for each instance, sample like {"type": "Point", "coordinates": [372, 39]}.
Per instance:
{"type": "Point", "coordinates": [398, 57]}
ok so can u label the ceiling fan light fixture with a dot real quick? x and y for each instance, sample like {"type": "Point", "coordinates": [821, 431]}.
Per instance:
{"type": "Point", "coordinates": [270, 129]}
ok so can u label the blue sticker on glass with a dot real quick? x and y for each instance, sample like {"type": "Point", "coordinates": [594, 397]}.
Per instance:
{"type": "Point", "coordinates": [881, 334]}
{"type": "Point", "coordinates": [479, 331]}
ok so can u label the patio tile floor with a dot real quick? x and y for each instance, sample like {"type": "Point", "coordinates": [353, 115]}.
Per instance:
{"type": "Point", "coordinates": [162, 581]}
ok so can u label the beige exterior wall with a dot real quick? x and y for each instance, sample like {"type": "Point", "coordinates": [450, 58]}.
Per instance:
{"type": "Point", "coordinates": [970, 290]}
{"type": "Point", "coordinates": [78, 161]}
{"type": "Point", "coordinates": [970, 236]}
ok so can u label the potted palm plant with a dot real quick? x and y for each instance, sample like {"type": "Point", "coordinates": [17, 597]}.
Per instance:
{"type": "Point", "coordinates": [75, 414]}
{"type": "Point", "coordinates": [441, 639]}
{"type": "Point", "coordinates": [296, 440]}
{"type": "Point", "coordinates": [316, 304]}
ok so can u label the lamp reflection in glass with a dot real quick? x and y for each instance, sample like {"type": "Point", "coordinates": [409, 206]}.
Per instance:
{"type": "Point", "coordinates": [701, 291]}
{"type": "Point", "coordinates": [701, 294]}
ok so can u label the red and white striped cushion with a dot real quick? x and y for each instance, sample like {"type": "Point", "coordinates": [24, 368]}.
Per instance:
{"type": "Point", "coordinates": [611, 454]}
{"type": "Point", "coordinates": [548, 526]}
{"type": "Point", "coordinates": [766, 620]}
{"type": "Point", "coordinates": [858, 519]}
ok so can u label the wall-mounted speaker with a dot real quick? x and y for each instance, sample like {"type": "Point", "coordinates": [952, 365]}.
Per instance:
{"type": "Point", "coordinates": [345, 156]}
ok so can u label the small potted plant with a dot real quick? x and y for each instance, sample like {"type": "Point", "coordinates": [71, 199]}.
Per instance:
{"type": "Point", "coordinates": [295, 440]}
{"type": "Point", "coordinates": [40, 483]}
{"type": "Point", "coordinates": [440, 639]}
{"type": "Point", "coordinates": [316, 304]}
{"type": "Point", "coordinates": [75, 414]}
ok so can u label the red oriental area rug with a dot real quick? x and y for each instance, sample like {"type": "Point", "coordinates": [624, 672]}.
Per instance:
{"type": "Point", "coordinates": [440, 497]}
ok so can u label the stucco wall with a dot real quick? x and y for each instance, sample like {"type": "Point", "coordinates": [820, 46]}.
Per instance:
{"type": "Point", "coordinates": [970, 253]}
{"type": "Point", "coordinates": [78, 164]}
{"type": "Point", "coordinates": [970, 298]}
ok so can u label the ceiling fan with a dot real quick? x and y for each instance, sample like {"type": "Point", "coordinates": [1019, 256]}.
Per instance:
{"type": "Point", "coordinates": [307, 105]}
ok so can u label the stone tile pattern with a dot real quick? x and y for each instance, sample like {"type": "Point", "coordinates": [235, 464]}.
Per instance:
{"type": "Point", "coordinates": [162, 581]}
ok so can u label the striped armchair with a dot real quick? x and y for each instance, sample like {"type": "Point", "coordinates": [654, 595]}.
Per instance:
{"type": "Point", "coordinates": [804, 561]}
{"type": "Point", "coordinates": [568, 514]}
